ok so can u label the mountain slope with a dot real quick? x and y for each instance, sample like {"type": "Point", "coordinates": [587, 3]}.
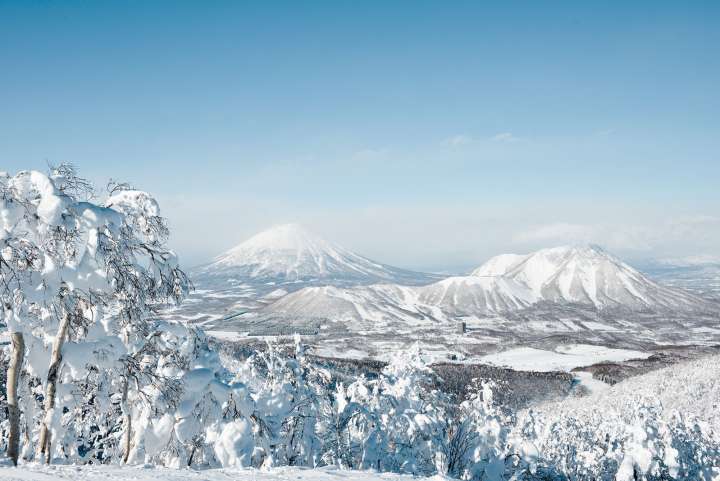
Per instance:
{"type": "Point", "coordinates": [377, 304]}
{"type": "Point", "coordinates": [498, 265]}
{"type": "Point", "coordinates": [472, 296]}
{"type": "Point", "coordinates": [358, 308]}
{"type": "Point", "coordinates": [291, 254]}
{"type": "Point", "coordinates": [587, 275]}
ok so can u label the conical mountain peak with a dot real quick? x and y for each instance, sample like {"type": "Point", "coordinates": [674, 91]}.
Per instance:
{"type": "Point", "coordinates": [292, 253]}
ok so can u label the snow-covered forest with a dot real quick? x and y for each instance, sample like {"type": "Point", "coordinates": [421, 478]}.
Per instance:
{"type": "Point", "coordinates": [93, 376]}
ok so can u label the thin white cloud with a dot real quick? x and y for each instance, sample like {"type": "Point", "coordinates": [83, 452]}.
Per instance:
{"type": "Point", "coordinates": [366, 155]}
{"type": "Point", "coordinates": [605, 133]}
{"type": "Point", "coordinates": [693, 260]}
{"type": "Point", "coordinates": [504, 137]}
{"type": "Point", "coordinates": [558, 232]}
{"type": "Point", "coordinates": [615, 237]}
{"type": "Point", "coordinates": [697, 228]}
{"type": "Point", "coordinates": [698, 233]}
{"type": "Point", "coordinates": [696, 221]}
{"type": "Point", "coordinates": [458, 140]}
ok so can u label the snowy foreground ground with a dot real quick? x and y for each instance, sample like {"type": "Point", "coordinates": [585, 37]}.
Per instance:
{"type": "Point", "coordinates": [114, 473]}
{"type": "Point", "coordinates": [661, 425]}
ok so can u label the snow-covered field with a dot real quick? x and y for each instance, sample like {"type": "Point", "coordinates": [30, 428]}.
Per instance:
{"type": "Point", "coordinates": [563, 358]}
{"type": "Point", "coordinates": [34, 472]}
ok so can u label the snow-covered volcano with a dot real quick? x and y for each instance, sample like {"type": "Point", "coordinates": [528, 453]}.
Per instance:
{"type": "Point", "coordinates": [578, 293]}
{"type": "Point", "coordinates": [585, 275]}
{"type": "Point", "coordinates": [290, 253]}
{"type": "Point", "coordinates": [576, 276]}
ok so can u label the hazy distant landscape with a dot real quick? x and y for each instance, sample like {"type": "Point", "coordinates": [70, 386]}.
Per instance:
{"type": "Point", "coordinates": [287, 280]}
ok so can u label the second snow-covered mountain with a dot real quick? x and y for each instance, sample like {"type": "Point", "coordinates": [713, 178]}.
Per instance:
{"type": "Point", "coordinates": [584, 276]}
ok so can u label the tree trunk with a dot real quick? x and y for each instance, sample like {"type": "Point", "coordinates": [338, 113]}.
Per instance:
{"type": "Point", "coordinates": [51, 388]}
{"type": "Point", "coordinates": [13, 374]}
{"type": "Point", "coordinates": [127, 423]}
{"type": "Point", "coordinates": [192, 454]}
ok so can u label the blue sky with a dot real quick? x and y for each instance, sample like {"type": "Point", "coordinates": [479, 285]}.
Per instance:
{"type": "Point", "coordinates": [425, 134]}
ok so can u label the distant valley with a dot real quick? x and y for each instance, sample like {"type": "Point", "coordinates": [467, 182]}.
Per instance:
{"type": "Point", "coordinates": [287, 280]}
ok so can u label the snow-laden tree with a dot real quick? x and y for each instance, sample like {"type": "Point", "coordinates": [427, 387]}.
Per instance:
{"type": "Point", "coordinates": [476, 440]}
{"type": "Point", "coordinates": [305, 387]}
{"type": "Point", "coordinates": [78, 280]}
{"type": "Point", "coordinates": [412, 413]}
{"type": "Point", "coordinates": [191, 423]}
{"type": "Point", "coordinates": [288, 392]}
{"type": "Point", "coordinates": [392, 423]}
{"type": "Point", "coordinates": [355, 425]}
{"type": "Point", "coordinates": [627, 437]}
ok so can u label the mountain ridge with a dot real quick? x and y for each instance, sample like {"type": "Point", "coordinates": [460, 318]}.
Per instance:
{"type": "Point", "coordinates": [564, 276]}
{"type": "Point", "coordinates": [586, 274]}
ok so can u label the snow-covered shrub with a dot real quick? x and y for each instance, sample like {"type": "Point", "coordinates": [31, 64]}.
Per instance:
{"type": "Point", "coordinates": [657, 426]}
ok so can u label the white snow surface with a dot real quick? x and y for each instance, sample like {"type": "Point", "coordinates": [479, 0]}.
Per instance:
{"type": "Point", "coordinates": [473, 295]}
{"type": "Point", "coordinates": [35, 472]}
{"type": "Point", "coordinates": [498, 265]}
{"type": "Point", "coordinates": [377, 304]}
{"type": "Point", "coordinates": [563, 358]}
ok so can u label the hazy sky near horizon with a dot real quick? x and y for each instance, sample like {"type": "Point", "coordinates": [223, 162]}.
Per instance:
{"type": "Point", "coordinates": [429, 135]}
